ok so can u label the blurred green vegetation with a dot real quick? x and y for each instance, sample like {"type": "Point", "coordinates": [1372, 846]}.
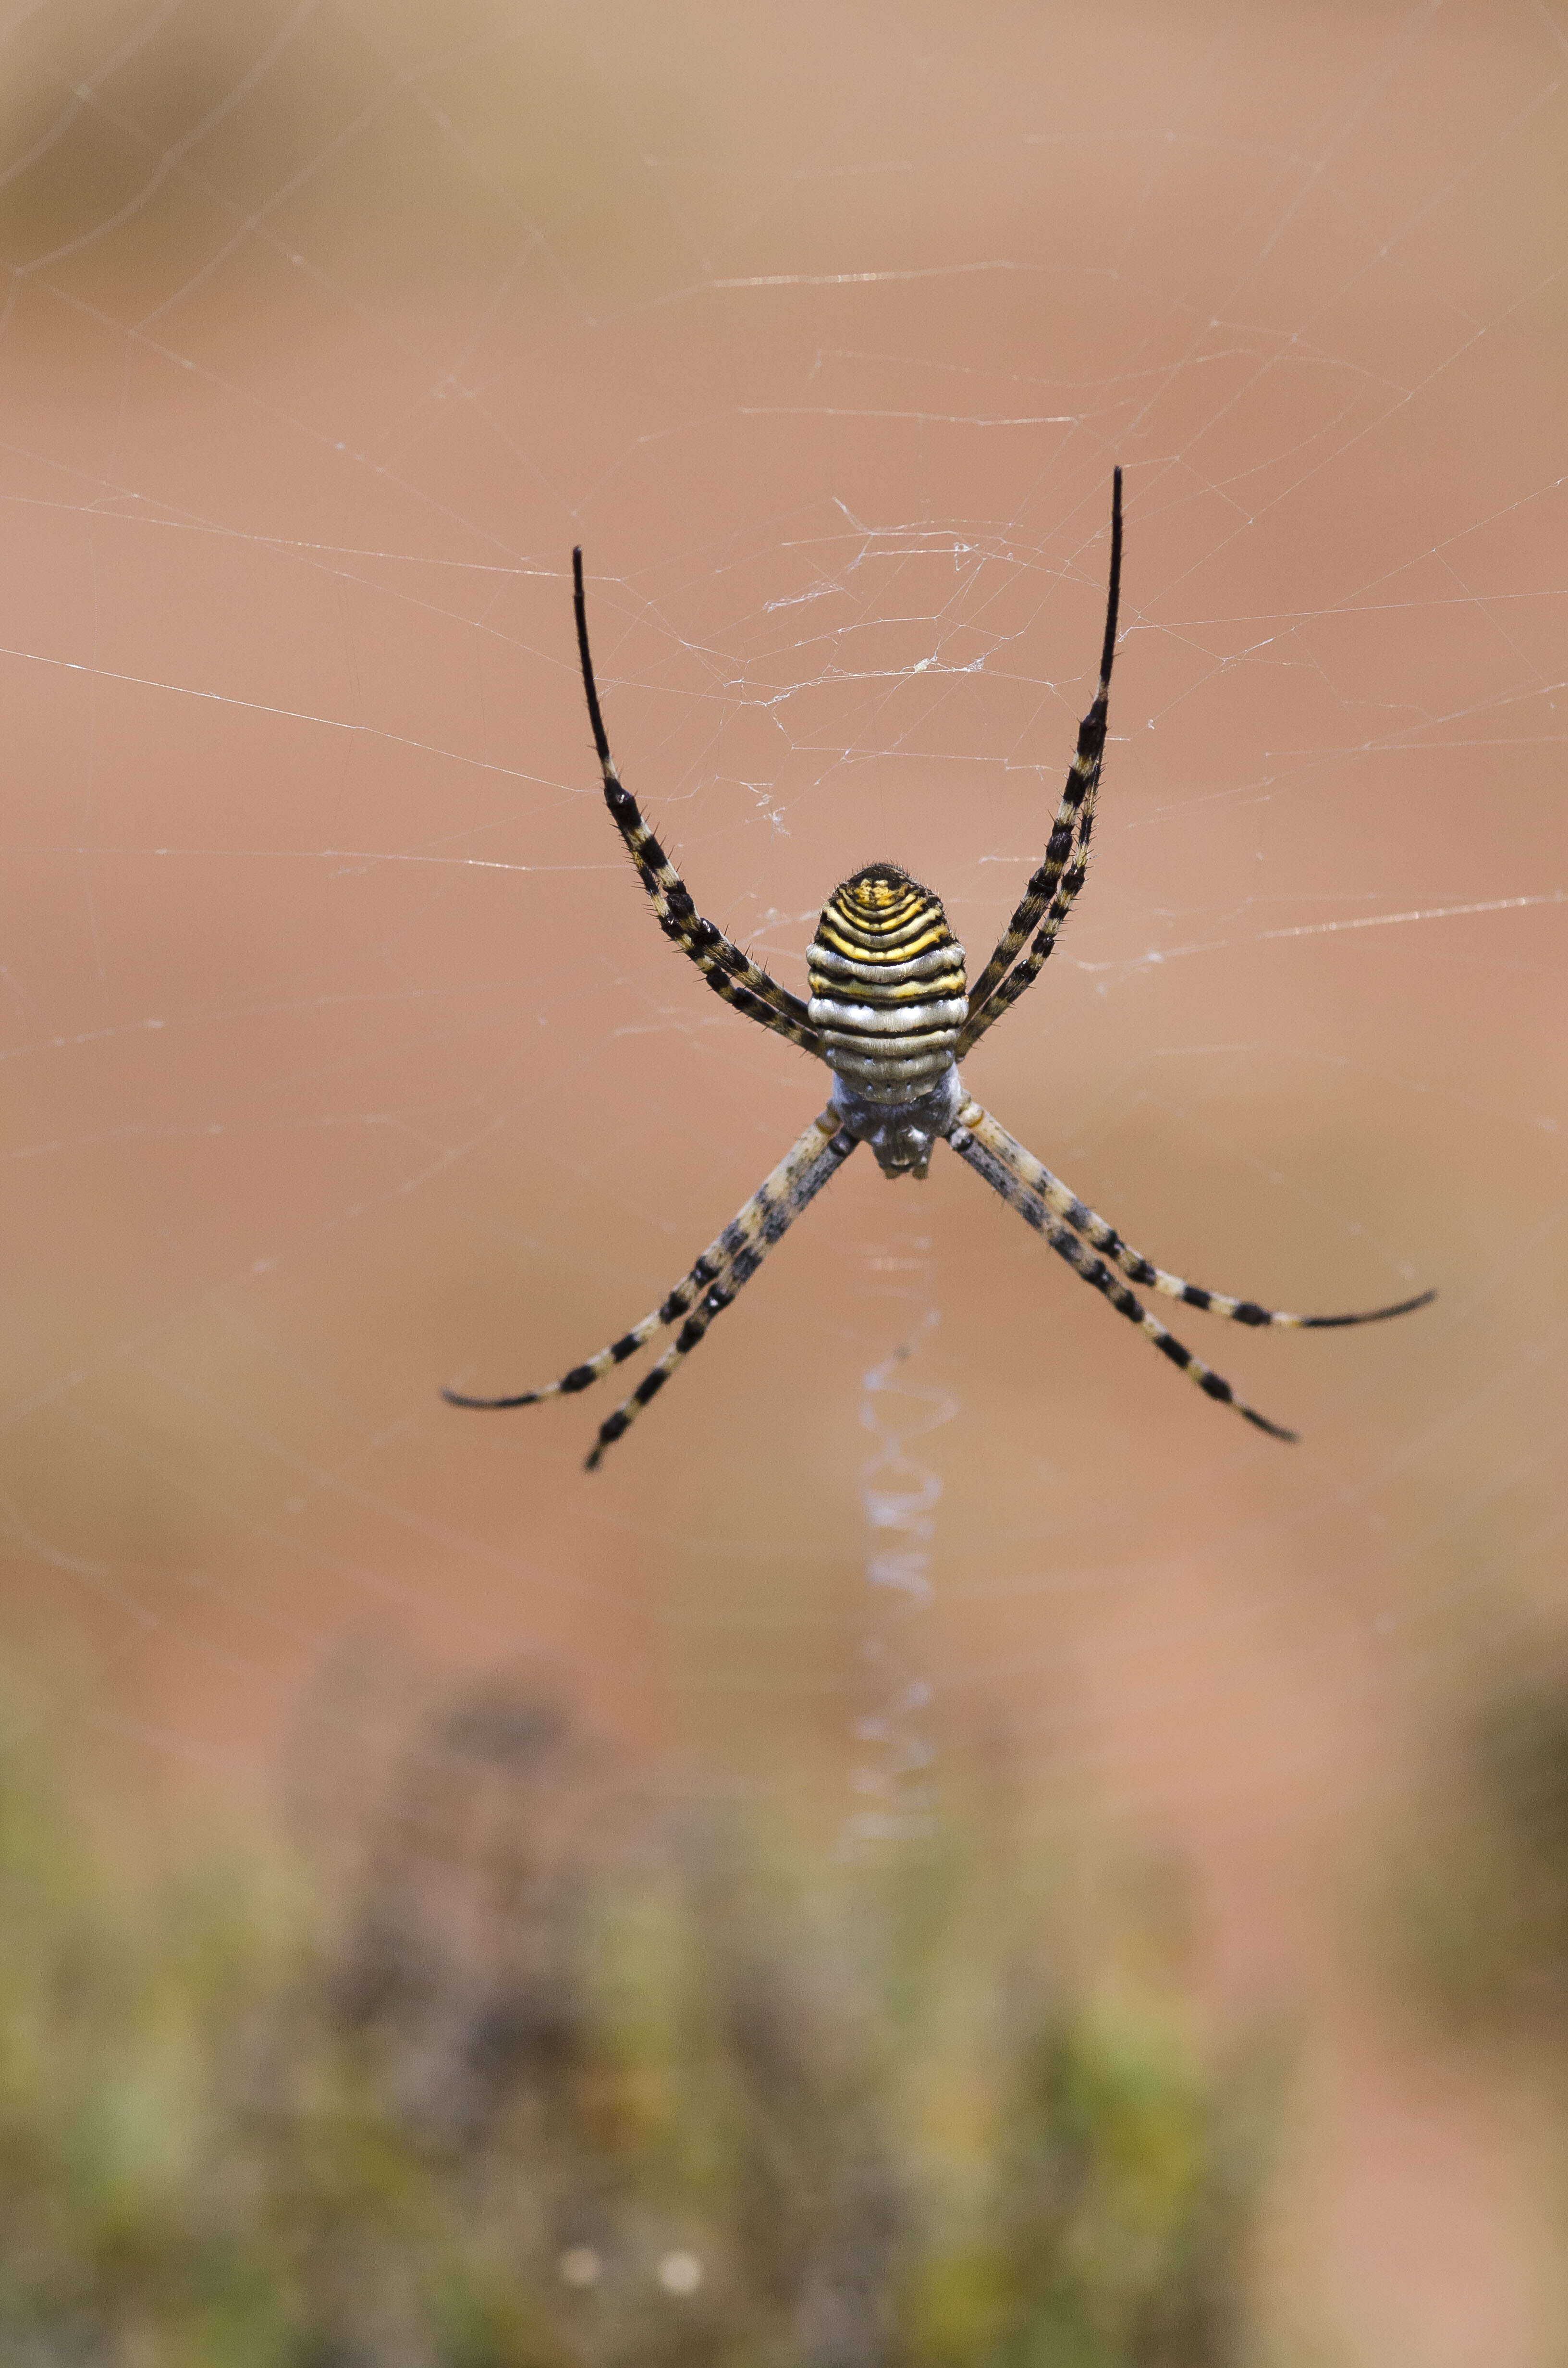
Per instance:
{"type": "Point", "coordinates": [1479, 1895]}
{"type": "Point", "coordinates": [496, 2072]}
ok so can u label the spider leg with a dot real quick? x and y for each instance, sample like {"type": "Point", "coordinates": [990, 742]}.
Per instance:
{"type": "Point", "coordinates": [731, 974]}
{"type": "Point", "coordinates": [708, 1268]}
{"type": "Point", "coordinates": [965, 1140]}
{"type": "Point", "coordinates": [1018, 981]}
{"type": "Point", "coordinates": [765, 1220]}
{"type": "Point", "coordinates": [818, 1154]}
{"type": "Point", "coordinates": [1051, 889]}
{"type": "Point", "coordinates": [713, 1302]}
{"type": "Point", "coordinates": [1036, 1178]}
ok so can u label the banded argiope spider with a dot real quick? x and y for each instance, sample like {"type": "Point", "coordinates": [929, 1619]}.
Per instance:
{"type": "Point", "coordinates": [891, 1017]}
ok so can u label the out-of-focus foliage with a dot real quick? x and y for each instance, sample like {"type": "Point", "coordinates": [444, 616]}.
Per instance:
{"type": "Point", "coordinates": [480, 2091]}
{"type": "Point", "coordinates": [415, 137]}
{"type": "Point", "coordinates": [1480, 1896]}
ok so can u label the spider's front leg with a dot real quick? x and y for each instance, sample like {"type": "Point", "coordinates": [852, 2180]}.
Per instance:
{"type": "Point", "coordinates": [966, 1138]}
{"type": "Point", "coordinates": [1046, 1204]}
{"type": "Point", "coordinates": [729, 1261]}
{"type": "Point", "coordinates": [1036, 1178]}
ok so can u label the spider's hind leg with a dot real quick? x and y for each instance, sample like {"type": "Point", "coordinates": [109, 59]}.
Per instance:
{"type": "Point", "coordinates": [731, 974]}
{"type": "Point", "coordinates": [1048, 898]}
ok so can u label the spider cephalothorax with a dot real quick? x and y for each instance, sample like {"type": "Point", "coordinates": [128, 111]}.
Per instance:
{"type": "Point", "coordinates": [891, 1016]}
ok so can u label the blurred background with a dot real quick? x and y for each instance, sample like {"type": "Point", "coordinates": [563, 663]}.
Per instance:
{"type": "Point", "coordinates": [342, 1058]}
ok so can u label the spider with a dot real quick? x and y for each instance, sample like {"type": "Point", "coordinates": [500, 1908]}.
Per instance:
{"type": "Point", "coordinates": [891, 1016]}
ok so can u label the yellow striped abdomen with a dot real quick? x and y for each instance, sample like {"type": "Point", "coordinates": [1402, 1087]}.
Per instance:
{"type": "Point", "coordinates": [888, 988]}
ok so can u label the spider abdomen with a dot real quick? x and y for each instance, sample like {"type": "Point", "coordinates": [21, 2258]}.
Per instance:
{"type": "Point", "coordinates": [888, 989]}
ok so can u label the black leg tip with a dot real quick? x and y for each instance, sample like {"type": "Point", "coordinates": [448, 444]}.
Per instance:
{"type": "Point", "coordinates": [1372, 1315]}
{"type": "Point", "coordinates": [1274, 1429]}
{"type": "Point", "coordinates": [1404, 1306]}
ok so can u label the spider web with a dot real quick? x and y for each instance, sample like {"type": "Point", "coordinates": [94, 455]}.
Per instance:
{"type": "Point", "coordinates": [343, 1056]}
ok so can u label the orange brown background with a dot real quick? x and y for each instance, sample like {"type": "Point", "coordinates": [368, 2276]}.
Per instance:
{"type": "Point", "coordinates": [342, 1057]}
